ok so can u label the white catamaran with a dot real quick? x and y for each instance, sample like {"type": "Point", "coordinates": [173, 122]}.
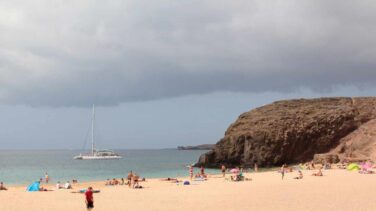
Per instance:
{"type": "Point", "coordinates": [97, 154]}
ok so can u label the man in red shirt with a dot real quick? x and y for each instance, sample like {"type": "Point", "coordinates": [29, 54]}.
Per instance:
{"type": "Point", "coordinates": [89, 198]}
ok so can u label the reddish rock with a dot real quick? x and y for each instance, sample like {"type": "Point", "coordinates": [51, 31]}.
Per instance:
{"type": "Point", "coordinates": [290, 131]}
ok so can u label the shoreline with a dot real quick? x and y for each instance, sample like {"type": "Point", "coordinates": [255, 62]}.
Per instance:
{"type": "Point", "coordinates": [209, 171]}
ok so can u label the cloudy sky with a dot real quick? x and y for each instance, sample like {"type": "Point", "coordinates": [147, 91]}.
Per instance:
{"type": "Point", "coordinates": [166, 73]}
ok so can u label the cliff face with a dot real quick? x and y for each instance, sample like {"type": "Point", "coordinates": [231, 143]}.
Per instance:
{"type": "Point", "coordinates": [290, 131]}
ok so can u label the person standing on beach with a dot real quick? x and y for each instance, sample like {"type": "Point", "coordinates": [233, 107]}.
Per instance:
{"type": "Point", "coordinates": [129, 178]}
{"type": "Point", "coordinates": [223, 168]}
{"type": "Point", "coordinates": [191, 171]}
{"type": "Point", "coordinates": [89, 199]}
{"type": "Point", "coordinates": [283, 169]}
{"type": "Point", "coordinates": [256, 167]}
{"type": "Point", "coordinates": [46, 177]}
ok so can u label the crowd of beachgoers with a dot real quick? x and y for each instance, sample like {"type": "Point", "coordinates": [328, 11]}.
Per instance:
{"type": "Point", "coordinates": [132, 180]}
{"type": "Point", "coordinates": [237, 174]}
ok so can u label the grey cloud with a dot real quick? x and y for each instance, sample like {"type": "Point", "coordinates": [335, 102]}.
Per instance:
{"type": "Point", "coordinates": [71, 53]}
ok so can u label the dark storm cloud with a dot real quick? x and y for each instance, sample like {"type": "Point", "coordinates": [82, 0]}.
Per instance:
{"type": "Point", "coordinates": [67, 53]}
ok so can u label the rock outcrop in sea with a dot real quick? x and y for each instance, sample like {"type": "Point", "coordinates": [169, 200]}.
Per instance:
{"type": "Point", "coordinates": [198, 147]}
{"type": "Point", "coordinates": [293, 131]}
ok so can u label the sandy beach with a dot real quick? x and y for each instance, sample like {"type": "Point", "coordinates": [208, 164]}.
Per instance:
{"type": "Point", "coordinates": [336, 190]}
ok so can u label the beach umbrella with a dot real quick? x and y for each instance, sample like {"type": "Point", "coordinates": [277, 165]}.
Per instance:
{"type": "Point", "coordinates": [235, 171]}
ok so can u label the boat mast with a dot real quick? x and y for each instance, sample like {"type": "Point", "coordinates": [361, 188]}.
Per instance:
{"type": "Point", "coordinates": [92, 131]}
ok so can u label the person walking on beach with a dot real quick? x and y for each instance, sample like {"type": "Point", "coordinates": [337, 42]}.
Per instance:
{"type": "Point", "coordinates": [191, 172]}
{"type": "Point", "coordinates": [256, 167]}
{"type": "Point", "coordinates": [283, 169]}
{"type": "Point", "coordinates": [223, 168]}
{"type": "Point", "coordinates": [46, 177]}
{"type": "Point", "coordinates": [89, 199]}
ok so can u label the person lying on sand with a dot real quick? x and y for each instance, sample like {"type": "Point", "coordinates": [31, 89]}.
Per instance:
{"type": "Point", "coordinates": [44, 189]}
{"type": "Point", "coordinates": [300, 175]}
{"type": "Point", "coordinates": [319, 173]}
{"type": "Point", "coordinates": [2, 187]}
{"type": "Point", "coordinates": [170, 179]}
{"type": "Point", "coordinates": [84, 190]}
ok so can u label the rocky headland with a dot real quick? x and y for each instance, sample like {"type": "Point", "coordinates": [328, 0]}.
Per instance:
{"type": "Point", "coordinates": [293, 131]}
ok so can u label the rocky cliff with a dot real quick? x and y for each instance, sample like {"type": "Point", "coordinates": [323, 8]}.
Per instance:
{"type": "Point", "coordinates": [294, 131]}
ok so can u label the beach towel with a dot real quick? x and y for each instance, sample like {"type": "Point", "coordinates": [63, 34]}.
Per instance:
{"type": "Point", "coordinates": [353, 167]}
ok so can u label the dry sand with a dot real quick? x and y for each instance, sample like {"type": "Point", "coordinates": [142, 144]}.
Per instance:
{"type": "Point", "coordinates": [336, 190]}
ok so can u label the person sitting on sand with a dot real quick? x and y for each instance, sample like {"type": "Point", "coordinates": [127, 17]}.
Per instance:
{"type": "Point", "coordinates": [67, 185]}
{"type": "Point", "coordinates": [202, 170]}
{"type": "Point", "coordinates": [327, 165]}
{"type": "Point", "coordinates": [58, 185]}
{"type": "Point", "coordinates": [2, 187]}
{"type": "Point", "coordinates": [108, 182]}
{"type": "Point", "coordinates": [300, 175]}
{"type": "Point", "coordinates": [74, 181]}
{"type": "Point", "coordinates": [115, 181]}
{"type": "Point", "coordinates": [319, 173]}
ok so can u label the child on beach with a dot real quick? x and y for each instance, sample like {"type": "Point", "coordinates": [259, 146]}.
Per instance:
{"type": "Point", "coordinates": [89, 199]}
{"type": "Point", "coordinates": [46, 178]}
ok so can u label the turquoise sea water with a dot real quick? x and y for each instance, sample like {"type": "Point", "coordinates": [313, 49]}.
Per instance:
{"type": "Point", "coordinates": [23, 167]}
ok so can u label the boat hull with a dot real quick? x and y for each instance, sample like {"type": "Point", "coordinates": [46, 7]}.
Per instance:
{"type": "Point", "coordinates": [90, 157]}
